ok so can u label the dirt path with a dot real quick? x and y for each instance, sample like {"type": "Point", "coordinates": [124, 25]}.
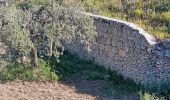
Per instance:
{"type": "Point", "coordinates": [72, 90]}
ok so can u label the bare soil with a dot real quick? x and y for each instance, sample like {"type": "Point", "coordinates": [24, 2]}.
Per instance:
{"type": "Point", "coordinates": [68, 90]}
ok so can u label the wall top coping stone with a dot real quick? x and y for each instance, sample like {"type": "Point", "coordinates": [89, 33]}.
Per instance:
{"type": "Point", "coordinates": [151, 39]}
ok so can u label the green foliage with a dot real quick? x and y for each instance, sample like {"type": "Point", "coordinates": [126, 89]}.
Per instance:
{"type": "Point", "coordinates": [37, 26]}
{"type": "Point", "coordinates": [165, 17]}
{"type": "Point", "coordinates": [74, 68]}
{"type": "Point", "coordinates": [39, 2]}
{"type": "Point", "coordinates": [13, 32]}
{"type": "Point", "coordinates": [138, 12]}
{"type": "Point", "coordinates": [15, 71]}
{"type": "Point", "coordinates": [44, 72]}
{"type": "Point", "coordinates": [3, 63]}
{"type": "Point", "coordinates": [160, 32]}
{"type": "Point", "coordinates": [165, 7]}
{"type": "Point", "coordinates": [149, 12]}
{"type": "Point", "coordinates": [147, 96]}
{"type": "Point", "coordinates": [66, 22]}
{"type": "Point", "coordinates": [108, 14]}
{"type": "Point", "coordinates": [121, 83]}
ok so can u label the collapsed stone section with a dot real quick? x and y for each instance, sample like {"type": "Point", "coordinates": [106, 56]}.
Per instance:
{"type": "Point", "coordinates": [126, 48]}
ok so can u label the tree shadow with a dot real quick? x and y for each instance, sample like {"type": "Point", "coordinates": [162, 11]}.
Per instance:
{"type": "Point", "coordinates": [100, 90]}
{"type": "Point", "coordinates": [89, 78]}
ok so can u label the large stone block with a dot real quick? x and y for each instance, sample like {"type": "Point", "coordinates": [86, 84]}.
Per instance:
{"type": "Point", "coordinates": [166, 43]}
{"type": "Point", "coordinates": [109, 55]}
{"type": "Point", "coordinates": [114, 31]}
{"type": "Point", "coordinates": [109, 48]}
{"type": "Point", "coordinates": [101, 47]}
{"type": "Point", "coordinates": [105, 27]}
{"type": "Point", "coordinates": [104, 41]}
{"type": "Point", "coordinates": [122, 52]}
{"type": "Point", "coordinates": [114, 42]}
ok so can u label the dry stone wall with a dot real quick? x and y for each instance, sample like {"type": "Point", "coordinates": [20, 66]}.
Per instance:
{"type": "Point", "coordinates": [128, 49]}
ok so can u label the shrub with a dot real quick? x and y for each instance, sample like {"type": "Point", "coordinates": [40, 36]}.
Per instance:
{"type": "Point", "coordinates": [138, 12]}
{"type": "Point", "coordinates": [162, 7]}
{"type": "Point", "coordinates": [44, 72]}
{"type": "Point", "coordinates": [107, 13]}
{"type": "Point", "coordinates": [165, 17]}
{"type": "Point", "coordinates": [39, 2]}
{"type": "Point", "coordinates": [15, 71]}
{"type": "Point", "coordinates": [3, 63]}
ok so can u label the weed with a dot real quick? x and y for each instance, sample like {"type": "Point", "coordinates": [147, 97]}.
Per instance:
{"type": "Point", "coordinates": [14, 71]}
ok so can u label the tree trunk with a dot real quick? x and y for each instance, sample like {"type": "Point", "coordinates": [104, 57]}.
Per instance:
{"type": "Point", "coordinates": [51, 49]}
{"type": "Point", "coordinates": [22, 59]}
{"type": "Point", "coordinates": [34, 57]}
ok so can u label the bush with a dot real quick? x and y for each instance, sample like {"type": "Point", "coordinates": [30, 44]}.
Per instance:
{"type": "Point", "coordinates": [3, 63]}
{"type": "Point", "coordinates": [16, 71]}
{"type": "Point", "coordinates": [44, 72]}
{"type": "Point", "coordinates": [165, 17]}
{"type": "Point", "coordinates": [39, 2]}
{"type": "Point", "coordinates": [138, 12]}
{"type": "Point", "coordinates": [163, 7]}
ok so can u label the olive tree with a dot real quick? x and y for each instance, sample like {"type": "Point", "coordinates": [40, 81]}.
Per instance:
{"type": "Point", "coordinates": [64, 23]}
{"type": "Point", "coordinates": [13, 32]}
{"type": "Point", "coordinates": [26, 28]}
{"type": "Point", "coordinates": [22, 31]}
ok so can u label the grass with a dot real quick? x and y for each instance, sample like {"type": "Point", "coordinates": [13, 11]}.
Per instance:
{"type": "Point", "coordinates": [16, 71]}
{"type": "Point", "coordinates": [70, 67]}
{"type": "Point", "coordinates": [156, 16]}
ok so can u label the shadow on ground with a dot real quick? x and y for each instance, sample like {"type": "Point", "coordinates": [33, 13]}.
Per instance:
{"type": "Point", "coordinates": [99, 90]}
{"type": "Point", "coordinates": [89, 78]}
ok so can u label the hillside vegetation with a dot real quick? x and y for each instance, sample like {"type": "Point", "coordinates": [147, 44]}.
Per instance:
{"type": "Point", "coordinates": [152, 15]}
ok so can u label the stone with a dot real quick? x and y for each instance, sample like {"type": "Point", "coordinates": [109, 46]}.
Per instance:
{"type": "Point", "coordinates": [167, 53]}
{"type": "Point", "coordinates": [98, 26]}
{"type": "Point", "coordinates": [109, 48]}
{"type": "Point", "coordinates": [122, 52]}
{"type": "Point", "coordinates": [166, 43]}
{"type": "Point", "coordinates": [101, 47]}
{"type": "Point", "coordinates": [137, 46]}
{"type": "Point", "coordinates": [114, 31]}
{"type": "Point", "coordinates": [113, 42]}
{"type": "Point", "coordinates": [104, 41]}
{"type": "Point", "coordinates": [150, 50]}
{"type": "Point", "coordinates": [120, 44]}
{"type": "Point", "coordinates": [109, 55]}
{"type": "Point", "coordinates": [100, 34]}
{"type": "Point", "coordinates": [110, 29]}
{"type": "Point", "coordinates": [126, 48]}
{"type": "Point", "coordinates": [105, 27]}
{"type": "Point", "coordinates": [160, 53]}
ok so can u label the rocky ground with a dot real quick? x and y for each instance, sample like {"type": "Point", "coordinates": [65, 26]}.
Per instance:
{"type": "Point", "coordinates": [67, 90]}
